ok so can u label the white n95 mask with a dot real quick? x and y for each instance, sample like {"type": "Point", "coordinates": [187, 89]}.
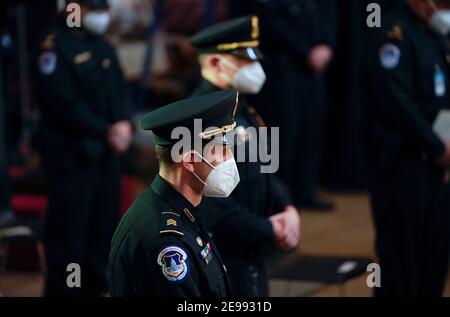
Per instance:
{"type": "Point", "coordinates": [440, 21]}
{"type": "Point", "coordinates": [97, 22]}
{"type": "Point", "coordinates": [222, 180]}
{"type": "Point", "coordinates": [248, 79]}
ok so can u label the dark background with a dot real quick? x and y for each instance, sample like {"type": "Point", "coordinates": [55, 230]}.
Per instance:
{"type": "Point", "coordinates": [344, 166]}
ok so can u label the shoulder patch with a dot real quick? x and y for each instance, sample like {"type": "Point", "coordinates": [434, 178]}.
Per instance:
{"type": "Point", "coordinates": [47, 62]}
{"type": "Point", "coordinates": [170, 223]}
{"type": "Point", "coordinates": [174, 264]}
{"type": "Point", "coordinates": [389, 56]}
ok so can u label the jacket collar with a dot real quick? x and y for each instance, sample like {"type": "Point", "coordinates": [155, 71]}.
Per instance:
{"type": "Point", "coordinates": [176, 200]}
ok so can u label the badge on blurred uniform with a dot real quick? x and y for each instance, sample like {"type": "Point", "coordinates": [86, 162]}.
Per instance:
{"type": "Point", "coordinates": [47, 63]}
{"type": "Point", "coordinates": [390, 56]}
{"type": "Point", "coordinates": [173, 262]}
{"type": "Point", "coordinates": [439, 82]}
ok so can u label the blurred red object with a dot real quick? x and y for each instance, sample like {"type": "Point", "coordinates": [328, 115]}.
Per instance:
{"type": "Point", "coordinates": [26, 205]}
{"type": "Point", "coordinates": [17, 171]}
{"type": "Point", "coordinates": [29, 205]}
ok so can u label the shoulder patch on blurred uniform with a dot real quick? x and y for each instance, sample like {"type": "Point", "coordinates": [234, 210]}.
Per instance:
{"type": "Point", "coordinates": [390, 56]}
{"type": "Point", "coordinates": [173, 262]}
{"type": "Point", "coordinates": [47, 62]}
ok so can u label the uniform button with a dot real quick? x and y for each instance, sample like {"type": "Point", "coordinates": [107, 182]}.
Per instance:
{"type": "Point", "coordinates": [106, 63]}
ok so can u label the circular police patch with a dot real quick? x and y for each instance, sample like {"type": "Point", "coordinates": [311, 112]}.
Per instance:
{"type": "Point", "coordinates": [173, 262]}
{"type": "Point", "coordinates": [390, 56]}
{"type": "Point", "coordinates": [47, 62]}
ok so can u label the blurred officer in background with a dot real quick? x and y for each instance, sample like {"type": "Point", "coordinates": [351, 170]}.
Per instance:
{"type": "Point", "coordinates": [161, 247]}
{"type": "Point", "coordinates": [260, 211]}
{"type": "Point", "coordinates": [318, 36]}
{"type": "Point", "coordinates": [298, 39]}
{"type": "Point", "coordinates": [84, 127]}
{"type": "Point", "coordinates": [7, 217]}
{"type": "Point", "coordinates": [409, 162]}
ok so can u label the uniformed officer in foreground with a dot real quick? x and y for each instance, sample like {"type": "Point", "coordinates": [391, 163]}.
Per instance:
{"type": "Point", "coordinates": [84, 126]}
{"type": "Point", "coordinates": [409, 162]}
{"type": "Point", "coordinates": [161, 248]}
{"type": "Point", "coordinates": [259, 215]}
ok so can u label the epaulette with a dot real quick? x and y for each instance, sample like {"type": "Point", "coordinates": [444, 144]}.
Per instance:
{"type": "Point", "coordinates": [171, 224]}
{"type": "Point", "coordinates": [396, 33]}
{"type": "Point", "coordinates": [49, 42]}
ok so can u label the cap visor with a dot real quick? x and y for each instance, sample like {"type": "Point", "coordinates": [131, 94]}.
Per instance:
{"type": "Point", "coordinates": [250, 53]}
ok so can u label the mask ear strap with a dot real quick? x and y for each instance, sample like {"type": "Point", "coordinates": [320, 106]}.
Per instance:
{"type": "Point", "coordinates": [193, 172]}
{"type": "Point", "coordinates": [228, 63]}
{"type": "Point", "coordinates": [205, 160]}
{"type": "Point", "coordinates": [199, 179]}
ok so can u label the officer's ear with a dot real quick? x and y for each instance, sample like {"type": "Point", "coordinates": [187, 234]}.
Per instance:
{"type": "Point", "coordinates": [189, 159]}
{"type": "Point", "coordinates": [213, 62]}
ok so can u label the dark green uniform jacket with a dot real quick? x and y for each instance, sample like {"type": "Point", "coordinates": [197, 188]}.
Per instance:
{"type": "Point", "coordinates": [161, 249]}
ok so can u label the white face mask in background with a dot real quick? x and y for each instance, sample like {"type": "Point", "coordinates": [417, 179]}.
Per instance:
{"type": "Point", "coordinates": [248, 79]}
{"type": "Point", "coordinates": [440, 21]}
{"type": "Point", "coordinates": [97, 22]}
{"type": "Point", "coordinates": [222, 180]}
